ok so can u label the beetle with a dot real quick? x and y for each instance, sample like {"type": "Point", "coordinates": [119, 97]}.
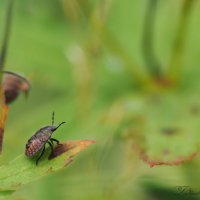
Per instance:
{"type": "Point", "coordinates": [38, 141]}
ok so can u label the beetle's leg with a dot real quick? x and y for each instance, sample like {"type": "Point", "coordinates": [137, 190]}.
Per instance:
{"type": "Point", "coordinates": [52, 118]}
{"type": "Point", "coordinates": [42, 153]}
{"type": "Point", "coordinates": [50, 142]}
{"type": "Point", "coordinates": [54, 140]}
{"type": "Point", "coordinates": [51, 146]}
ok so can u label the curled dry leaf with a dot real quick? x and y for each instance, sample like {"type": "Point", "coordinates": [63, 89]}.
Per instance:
{"type": "Point", "coordinates": [23, 170]}
{"type": "Point", "coordinates": [13, 84]}
{"type": "Point", "coordinates": [77, 146]}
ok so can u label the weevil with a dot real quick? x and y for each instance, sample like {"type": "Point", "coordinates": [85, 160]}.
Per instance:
{"type": "Point", "coordinates": [38, 141]}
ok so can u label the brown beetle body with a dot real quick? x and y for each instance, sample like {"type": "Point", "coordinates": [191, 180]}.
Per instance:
{"type": "Point", "coordinates": [39, 139]}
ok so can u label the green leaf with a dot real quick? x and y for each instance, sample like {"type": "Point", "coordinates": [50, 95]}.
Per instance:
{"type": "Point", "coordinates": [164, 128]}
{"type": "Point", "coordinates": [23, 170]}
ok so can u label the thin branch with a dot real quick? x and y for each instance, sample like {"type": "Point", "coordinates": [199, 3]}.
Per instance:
{"type": "Point", "coordinates": [147, 42]}
{"type": "Point", "coordinates": [178, 47]}
{"type": "Point", "coordinates": [6, 36]}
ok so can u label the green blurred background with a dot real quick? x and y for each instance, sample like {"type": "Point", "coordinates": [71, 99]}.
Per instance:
{"type": "Point", "coordinates": [116, 75]}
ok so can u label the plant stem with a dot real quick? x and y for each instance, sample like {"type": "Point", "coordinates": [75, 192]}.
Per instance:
{"type": "Point", "coordinates": [147, 48]}
{"type": "Point", "coordinates": [177, 49]}
{"type": "Point", "coordinates": [2, 125]}
{"type": "Point", "coordinates": [3, 54]}
{"type": "Point", "coordinates": [6, 36]}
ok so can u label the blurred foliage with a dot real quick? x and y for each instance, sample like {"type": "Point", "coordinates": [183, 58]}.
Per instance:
{"type": "Point", "coordinates": [86, 62]}
{"type": "Point", "coordinates": [22, 170]}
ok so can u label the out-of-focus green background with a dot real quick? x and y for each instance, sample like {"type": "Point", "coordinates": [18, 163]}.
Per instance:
{"type": "Point", "coordinates": [85, 62]}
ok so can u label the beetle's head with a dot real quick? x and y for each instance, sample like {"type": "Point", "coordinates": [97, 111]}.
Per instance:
{"type": "Point", "coordinates": [54, 128]}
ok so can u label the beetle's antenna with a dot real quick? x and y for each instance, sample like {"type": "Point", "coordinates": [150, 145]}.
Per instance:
{"type": "Point", "coordinates": [52, 118]}
{"type": "Point", "coordinates": [59, 125]}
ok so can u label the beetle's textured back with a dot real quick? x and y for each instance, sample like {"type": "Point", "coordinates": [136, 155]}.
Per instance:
{"type": "Point", "coordinates": [44, 133]}
{"type": "Point", "coordinates": [33, 146]}
{"type": "Point", "coordinates": [38, 140]}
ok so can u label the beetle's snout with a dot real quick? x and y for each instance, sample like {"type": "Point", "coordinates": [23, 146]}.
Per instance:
{"type": "Point", "coordinates": [53, 128]}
